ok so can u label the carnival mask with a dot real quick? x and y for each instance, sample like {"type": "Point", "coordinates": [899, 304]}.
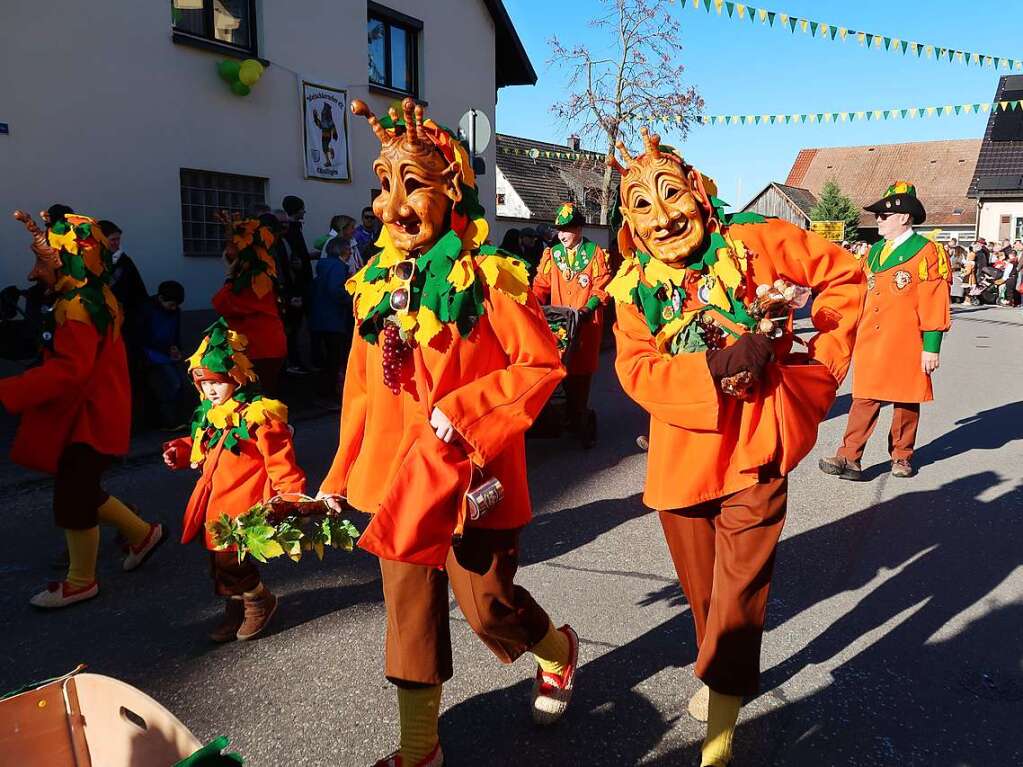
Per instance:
{"type": "Point", "coordinates": [48, 261]}
{"type": "Point", "coordinates": [418, 186]}
{"type": "Point", "coordinates": [664, 205]}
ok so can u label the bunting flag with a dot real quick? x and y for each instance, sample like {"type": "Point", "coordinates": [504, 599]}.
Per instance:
{"type": "Point", "coordinates": [827, 31]}
{"type": "Point", "coordinates": [557, 155]}
{"type": "Point", "coordinates": [894, 113]}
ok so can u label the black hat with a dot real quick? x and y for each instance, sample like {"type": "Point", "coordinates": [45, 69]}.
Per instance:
{"type": "Point", "coordinates": [900, 197]}
{"type": "Point", "coordinates": [568, 216]}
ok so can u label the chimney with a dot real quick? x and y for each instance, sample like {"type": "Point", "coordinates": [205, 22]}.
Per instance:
{"type": "Point", "coordinates": [573, 142]}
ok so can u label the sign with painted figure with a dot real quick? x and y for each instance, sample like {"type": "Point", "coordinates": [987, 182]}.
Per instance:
{"type": "Point", "coordinates": [829, 230]}
{"type": "Point", "coordinates": [325, 132]}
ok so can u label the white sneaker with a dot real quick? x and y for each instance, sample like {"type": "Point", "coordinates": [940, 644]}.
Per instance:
{"type": "Point", "coordinates": [699, 704]}
{"type": "Point", "coordinates": [63, 594]}
{"type": "Point", "coordinates": [138, 555]}
{"type": "Point", "coordinates": [552, 692]}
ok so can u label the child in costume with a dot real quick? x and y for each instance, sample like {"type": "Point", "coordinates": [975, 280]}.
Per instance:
{"type": "Point", "coordinates": [248, 300]}
{"type": "Point", "coordinates": [242, 442]}
{"type": "Point", "coordinates": [451, 362]}
{"type": "Point", "coordinates": [76, 406]}
{"type": "Point", "coordinates": [732, 409]}
{"type": "Point", "coordinates": [574, 273]}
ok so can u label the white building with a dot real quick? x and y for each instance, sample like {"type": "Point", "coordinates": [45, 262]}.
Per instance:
{"type": "Point", "coordinates": [117, 109]}
{"type": "Point", "coordinates": [998, 180]}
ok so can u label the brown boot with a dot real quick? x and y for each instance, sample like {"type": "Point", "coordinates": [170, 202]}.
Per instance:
{"type": "Point", "coordinates": [840, 467]}
{"type": "Point", "coordinates": [260, 606]}
{"type": "Point", "coordinates": [234, 614]}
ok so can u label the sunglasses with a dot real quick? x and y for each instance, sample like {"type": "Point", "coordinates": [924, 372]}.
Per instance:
{"type": "Point", "coordinates": [884, 216]}
{"type": "Point", "coordinates": [403, 271]}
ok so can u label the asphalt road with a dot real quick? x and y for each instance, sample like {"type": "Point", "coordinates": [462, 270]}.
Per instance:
{"type": "Point", "coordinates": [895, 621]}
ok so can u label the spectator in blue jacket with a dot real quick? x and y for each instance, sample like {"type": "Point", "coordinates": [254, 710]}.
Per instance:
{"type": "Point", "coordinates": [330, 317]}
{"type": "Point", "coordinates": [161, 349]}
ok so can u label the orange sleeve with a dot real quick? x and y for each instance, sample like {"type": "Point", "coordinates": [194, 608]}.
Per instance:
{"type": "Point", "coordinates": [601, 275]}
{"type": "Point", "coordinates": [934, 303]}
{"type": "Point", "coordinates": [542, 280]}
{"type": "Point", "coordinates": [491, 410]}
{"type": "Point", "coordinates": [67, 367]}
{"type": "Point", "coordinates": [834, 275]}
{"type": "Point", "coordinates": [678, 390]}
{"type": "Point", "coordinates": [225, 302]}
{"type": "Point", "coordinates": [353, 419]}
{"type": "Point", "coordinates": [278, 449]}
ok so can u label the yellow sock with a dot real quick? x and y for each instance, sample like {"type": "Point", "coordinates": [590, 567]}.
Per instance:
{"type": "Point", "coordinates": [418, 714]}
{"type": "Point", "coordinates": [132, 526]}
{"type": "Point", "coordinates": [82, 547]}
{"type": "Point", "coordinates": [722, 714]}
{"type": "Point", "coordinates": [552, 652]}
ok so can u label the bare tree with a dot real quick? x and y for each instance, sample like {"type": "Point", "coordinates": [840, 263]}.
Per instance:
{"type": "Point", "coordinates": [641, 81]}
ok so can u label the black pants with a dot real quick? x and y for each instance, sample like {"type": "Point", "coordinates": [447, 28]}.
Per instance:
{"type": "Point", "coordinates": [77, 489]}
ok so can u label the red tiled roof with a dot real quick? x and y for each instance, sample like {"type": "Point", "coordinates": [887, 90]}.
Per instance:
{"type": "Point", "coordinates": [940, 170]}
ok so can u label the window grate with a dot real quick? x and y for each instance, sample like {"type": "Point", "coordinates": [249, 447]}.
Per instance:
{"type": "Point", "coordinates": [203, 193]}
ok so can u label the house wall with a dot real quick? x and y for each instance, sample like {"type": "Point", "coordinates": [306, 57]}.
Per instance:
{"type": "Point", "coordinates": [990, 215]}
{"type": "Point", "coordinates": [104, 110]}
{"type": "Point", "coordinates": [512, 205]}
{"type": "Point", "coordinates": [774, 203]}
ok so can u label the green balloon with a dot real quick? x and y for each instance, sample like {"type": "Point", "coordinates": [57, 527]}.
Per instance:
{"type": "Point", "coordinates": [240, 88]}
{"type": "Point", "coordinates": [228, 71]}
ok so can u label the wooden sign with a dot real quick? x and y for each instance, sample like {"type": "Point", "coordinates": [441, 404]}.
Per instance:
{"type": "Point", "coordinates": [829, 230]}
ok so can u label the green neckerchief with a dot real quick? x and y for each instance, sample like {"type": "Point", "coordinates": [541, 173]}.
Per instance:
{"type": "Point", "coordinates": [431, 288]}
{"type": "Point", "coordinates": [913, 245]}
{"type": "Point", "coordinates": [211, 435]}
{"type": "Point", "coordinates": [573, 265]}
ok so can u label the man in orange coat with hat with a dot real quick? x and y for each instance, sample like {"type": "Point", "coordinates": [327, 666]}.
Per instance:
{"type": "Point", "coordinates": [451, 363]}
{"type": "Point", "coordinates": [75, 407]}
{"type": "Point", "coordinates": [574, 273]}
{"type": "Point", "coordinates": [705, 345]}
{"type": "Point", "coordinates": [898, 342]}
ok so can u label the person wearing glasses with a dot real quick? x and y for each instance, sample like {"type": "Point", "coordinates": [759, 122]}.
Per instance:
{"type": "Point", "coordinates": [366, 233]}
{"type": "Point", "coordinates": [898, 341]}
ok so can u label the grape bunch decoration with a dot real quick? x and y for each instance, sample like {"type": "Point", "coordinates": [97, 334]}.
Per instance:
{"type": "Point", "coordinates": [396, 352]}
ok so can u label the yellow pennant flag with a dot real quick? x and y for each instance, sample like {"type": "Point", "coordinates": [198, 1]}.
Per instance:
{"type": "Point", "coordinates": [877, 114]}
{"type": "Point", "coordinates": [762, 14]}
{"type": "Point", "coordinates": [861, 115]}
{"type": "Point", "coordinates": [929, 51]}
{"type": "Point", "coordinates": [913, 113]}
{"type": "Point", "coordinates": [804, 24]}
{"type": "Point", "coordinates": [896, 44]}
{"type": "Point", "coordinates": [968, 108]}
{"type": "Point", "coordinates": [947, 110]}
{"type": "Point", "coordinates": [1019, 66]}
{"type": "Point", "coordinates": [930, 111]}
{"type": "Point", "coordinates": [843, 32]}
{"type": "Point", "coordinates": [721, 120]}
{"type": "Point", "coordinates": [811, 118]}
{"type": "Point", "coordinates": [861, 38]}
{"type": "Point", "coordinates": [696, 5]}
{"type": "Point", "coordinates": [914, 47]}
{"type": "Point", "coordinates": [824, 30]}
{"type": "Point", "coordinates": [741, 9]}
{"type": "Point", "coordinates": [784, 18]}
{"type": "Point", "coordinates": [989, 62]}
{"type": "Point", "coordinates": [1003, 105]}
{"type": "Point", "coordinates": [718, 5]}
{"type": "Point", "coordinates": [844, 116]}
{"type": "Point", "coordinates": [985, 108]}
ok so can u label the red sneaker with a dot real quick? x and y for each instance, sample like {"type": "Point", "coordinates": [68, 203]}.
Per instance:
{"type": "Point", "coordinates": [552, 692]}
{"type": "Point", "coordinates": [63, 594]}
{"type": "Point", "coordinates": [433, 759]}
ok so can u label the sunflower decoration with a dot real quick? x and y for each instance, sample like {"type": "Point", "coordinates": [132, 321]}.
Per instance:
{"type": "Point", "coordinates": [221, 357]}
{"type": "Point", "coordinates": [445, 287]}
{"type": "Point", "coordinates": [248, 248]}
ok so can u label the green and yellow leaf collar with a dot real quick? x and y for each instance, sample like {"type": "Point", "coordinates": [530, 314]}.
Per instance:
{"type": "Point", "coordinates": [231, 421]}
{"type": "Point", "coordinates": [448, 287]}
{"type": "Point", "coordinates": [83, 281]}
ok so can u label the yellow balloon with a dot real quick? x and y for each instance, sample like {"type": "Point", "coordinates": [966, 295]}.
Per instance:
{"type": "Point", "coordinates": [250, 71]}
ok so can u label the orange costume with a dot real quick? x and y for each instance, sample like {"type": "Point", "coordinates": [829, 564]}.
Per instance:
{"type": "Point", "coordinates": [248, 300]}
{"type": "Point", "coordinates": [451, 363]}
{"type": "Point", "coordinates": [76, 406]}
{"type": "Point", "coordinates": [906, 314]}
{"type": "Point", "coordinates": [688, 323]}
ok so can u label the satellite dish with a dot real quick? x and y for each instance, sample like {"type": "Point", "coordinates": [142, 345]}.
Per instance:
{"type": "Point", "coordinates": [475, 128]}
{"type": "Point", "coordinates": [534, 153]}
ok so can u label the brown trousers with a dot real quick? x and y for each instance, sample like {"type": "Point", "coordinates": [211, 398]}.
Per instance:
{"type": "Point", "coordinates": [862, 420]}
{"type": "Point", "coordinates": [723, 552]}
{"type": "Point", "coordinates": [231, 578]}
{"type": "Point", "coordinates": [577, 398]}
{"type": "Point", "coordinates": [77, 489]}
{"type": "Point", "coordinates": [481, 570]}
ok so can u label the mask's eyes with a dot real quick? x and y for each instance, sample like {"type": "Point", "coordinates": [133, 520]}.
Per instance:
{"type": "Point", "coordinates": [671, 192]}
{"type": "Point", "coordinates": [641, 203]}
{"type": "Point", "coordinates": [412, 184]}
{"type": "Point", "coordinates": [385, 184]}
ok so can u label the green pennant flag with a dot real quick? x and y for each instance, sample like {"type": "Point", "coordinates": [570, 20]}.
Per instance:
{"type": "Point", "coordinates": [833, 30]}
{"type": "Point", "coordinates": [834, 117]}
{"type": "Point", "coordinates": [905, 45]}
{"type": "Point", "coordinates": [792, 23]}
{"type": "Point", "coordinates": [730, 7]}
{"type": "Point", "coordinates": [951, 55]}
{"type": "Point", "coordinates": [919, 50]}
{"type": "Point", "coordinates": [706, 4]}
{"type": "Point", "coordinates": [958, 108]}
{"type": "Point", "coordinates": [788, 119]}
{"type": "Point", "coordinates": [887, 43]}
{"type": "Point", "coordinates": [813, 29]}
{"type": "Point", "coordinates": [998, 62]}
{"type": "Point", "coordinates": [869, 38]}
{"type": "Point", "coordinates": [820, 117]}
{"type": "Point", "coordinates": [903, 112]}
{"type": "Point", "coordinates": [868, 115]}
{"type": "Point", "coordinates": [1014, 104]}
{"type": "Point", "coordinates": [770, 17]}
{"type": "Point", "coordinates": [757, 119]}
{"type": "Point", "coordinates": [751, 13]}
{"type": "Point", "coordinates": [887, 113]}
{"type": "Point", "coordinates": [802, 118]}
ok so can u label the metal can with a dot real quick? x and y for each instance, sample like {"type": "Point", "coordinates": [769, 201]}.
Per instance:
{"type": "Point", "coordinates": [484, 497]}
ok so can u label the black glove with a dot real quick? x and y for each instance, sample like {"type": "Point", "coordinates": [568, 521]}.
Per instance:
{"type": "Point", "coordinates": [584, 313]}
{"type": "Point", "coordinates": [750, 353]}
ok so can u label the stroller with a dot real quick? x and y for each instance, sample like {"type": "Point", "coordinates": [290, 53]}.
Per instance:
{"type": "Point", "coordinates": [985, 292]}
{"type": "Point", "coordinates": [564, 324]}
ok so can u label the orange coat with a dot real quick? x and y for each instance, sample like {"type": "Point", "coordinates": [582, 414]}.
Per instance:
{"type": "Point", "coordinates": [907, 309]}
{"type": "Point", "coordinates": [79, 394]}
{"type": "Point", "coordinates": [552, 286]}
{"type": "Point", "coordinates": [705, 444]}
{"type": "Point", "coordinates": [255, 318]}
{"type": "Point", "coordinates": [233, 483]}
{"type": "Point", "coordinates": [389, 462]}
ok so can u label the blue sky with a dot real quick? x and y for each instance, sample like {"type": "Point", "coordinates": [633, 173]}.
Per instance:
{"type": "Point", "coordinates": [743, 68]}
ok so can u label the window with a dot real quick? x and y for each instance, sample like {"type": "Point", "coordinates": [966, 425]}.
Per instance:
{"type": "Point", "coordinates": [393, 40]}
{"type": "Point", "coordinates": [203, 193]}
{"type": "Point", "coordinates": [226, 23]}
{"type": "Point", "coordinates": [500, 198]}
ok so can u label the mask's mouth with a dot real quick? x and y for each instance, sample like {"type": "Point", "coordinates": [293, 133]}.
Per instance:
{"type": "Point", "coordinates": [411, 227]}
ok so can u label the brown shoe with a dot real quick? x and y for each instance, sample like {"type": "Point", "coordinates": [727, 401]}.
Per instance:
{"type": "Point", "coordinates": [260, 607]}
{"type": "Point", "coordinates": [234, 614]}
{"type": "Point", "coordinates": [902, 468]}
{"type": "Point", "coordinates": [840, 467]}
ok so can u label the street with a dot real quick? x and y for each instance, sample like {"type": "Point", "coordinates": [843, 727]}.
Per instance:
{"type": "Point", "coordinates": [895, 624]}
